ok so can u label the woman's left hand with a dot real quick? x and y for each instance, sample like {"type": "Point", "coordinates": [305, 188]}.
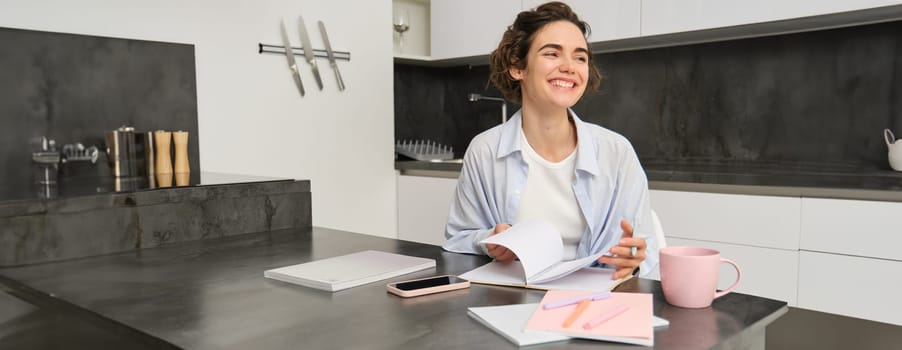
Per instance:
{"type": "Point", "coordinates": [628, 253]}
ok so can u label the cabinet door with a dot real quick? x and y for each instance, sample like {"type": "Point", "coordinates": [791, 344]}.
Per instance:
{"type": "Point", "coordinates": [852, 227]}
{"type": "Point", "coordinates": [766, 272]}
{"type": "Point", "coordinates": [764, 221]}
{"type": "Point", "coordinates": [668, 16]}
{"type": "Point", "coordinates": [423, 205]}
{"type": "Point", "coordinates": [609, 19]}
{"type": "Point", "coordinates": [464, 28]}
{"type": "Point", "coordinates": [415, 41]}
{"type": "Point", "coordinates": [851, 286]}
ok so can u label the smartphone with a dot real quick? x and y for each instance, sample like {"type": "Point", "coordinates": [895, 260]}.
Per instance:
{"type": "Point", "coordinates": [427, 285]}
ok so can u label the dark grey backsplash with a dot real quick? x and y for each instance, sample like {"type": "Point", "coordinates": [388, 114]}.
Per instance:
{"type": "Point", "coordinates": [816, 98]}
{"type": "Point", "coordinates": [71, 88]}
{"type": "Point", "coordinates": [431, 104]}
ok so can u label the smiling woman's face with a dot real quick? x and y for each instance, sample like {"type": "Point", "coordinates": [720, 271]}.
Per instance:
{"type": "Point", "coordinates": [557, 67]}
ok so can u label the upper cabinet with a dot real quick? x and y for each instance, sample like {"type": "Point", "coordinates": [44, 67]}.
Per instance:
{"type": "Point", "coordinates": [461, 29]}
{"type": "Point", "coordinates": [464, 28]}
{"type": "Point", "coordinates": [466, 31]}
{"type": "Point", "coordinates": [411, 26]}
{"type": "Point", "coordinates": [668, 16]}
{"type": "Point", "coordinates": [608, 19]}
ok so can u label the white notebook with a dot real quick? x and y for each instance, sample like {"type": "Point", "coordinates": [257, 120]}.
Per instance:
{"type": "Point", "coordinates": [511, 274]}
{"type": "Point", "coordinates": [541, 266]}
{"type": "Point", "coordinates": [539, 248]}
{"type": "Point", "coordinates": [510, 320]}
{"type": "Point", "coordinates": [351, 270]}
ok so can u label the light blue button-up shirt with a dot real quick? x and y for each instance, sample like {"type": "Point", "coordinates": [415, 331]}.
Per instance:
{"type": "Point", "coordinates": [609, 185]}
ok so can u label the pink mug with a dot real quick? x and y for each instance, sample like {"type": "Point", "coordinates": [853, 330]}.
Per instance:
{"type": "Point", "coordinates": [689, 276]}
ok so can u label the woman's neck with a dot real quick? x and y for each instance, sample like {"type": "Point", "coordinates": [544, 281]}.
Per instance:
{"type": "Point", "coordinates": [551, 133]}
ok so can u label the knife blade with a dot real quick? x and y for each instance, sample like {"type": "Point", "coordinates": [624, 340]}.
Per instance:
{"type": "Point", "coordinates": [308, 51]}
{"type": "Point", "coordinates": [331, 55]}
{"type": "Point", "coordinates": [289, 53]}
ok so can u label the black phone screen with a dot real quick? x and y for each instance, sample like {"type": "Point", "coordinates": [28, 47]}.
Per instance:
{"type": "Point", "coordinates": [429, 282]}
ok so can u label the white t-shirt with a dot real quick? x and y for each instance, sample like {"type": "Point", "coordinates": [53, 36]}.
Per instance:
{"type": "Point", "coordinates": [548, 195]}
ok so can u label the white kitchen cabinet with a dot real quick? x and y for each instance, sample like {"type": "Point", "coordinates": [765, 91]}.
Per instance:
{"type": "Point", "coordinates": [767, 272]}
{"type": "Point", "coordinates": [415, 41]}
{"type": "Point", "coordinates": [463, 28]}
{"type": "Point", "coordinates": [466, 31]}
{"type": "Point", "coordinates": [668, 16]}
{"type": "Point", "coordinates": [469, 28]}
{"type": "Point", "coordinates": [608, 19]}
{"type": "Point", "coordinates": [849, 243]}
{"type": "Point", "coordinates": [763, 221]}
{"type": "Point", "coordinates": [852, 286]}
{"type": "Point", "coordinates": [852, 227]}
{"type": "Point", "coordinates": [423, 205]}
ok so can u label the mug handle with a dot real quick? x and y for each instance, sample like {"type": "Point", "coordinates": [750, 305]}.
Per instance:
{"type": "Point", "coordinates": [889, 137]}
{"type": "Point", "coordinates": [735, 284]}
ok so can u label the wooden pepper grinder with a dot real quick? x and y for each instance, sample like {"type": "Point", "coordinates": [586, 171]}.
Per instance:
{"type": "Point", "coordinates": [182, 169]}
{"type": "Point", "coordinates": [163, 162]}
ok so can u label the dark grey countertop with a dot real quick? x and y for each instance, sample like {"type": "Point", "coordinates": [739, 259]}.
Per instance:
{"type": "Point", "coordinates": [100, 193]}
{"type": "Point", "coordinates": [793, 180]}
{"type": "Point", "coordinates": [211, 294]}
{"type": "Point", "coordinates": [31, 320]}
{"type": "Point", "coordinates": [75, 187]}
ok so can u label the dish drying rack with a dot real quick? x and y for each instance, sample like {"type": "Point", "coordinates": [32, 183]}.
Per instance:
{"type": "Point", "coordinates": [424, 150]}
{"type": "Point", "coordinates": [78, 152]}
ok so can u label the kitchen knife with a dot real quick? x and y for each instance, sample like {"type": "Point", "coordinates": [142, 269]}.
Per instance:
{"type": "Point", "coordinates": [291, 63]}
{"type": "Point", "coordinates": [331, 55]}
{"type": "Point", "coordinates": [308, 51]}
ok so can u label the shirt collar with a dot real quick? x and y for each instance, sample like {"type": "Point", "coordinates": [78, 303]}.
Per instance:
{"type": "Point", "coordinates": [510, 135]}
{"type": "Point", "coordinates": [586, 152]}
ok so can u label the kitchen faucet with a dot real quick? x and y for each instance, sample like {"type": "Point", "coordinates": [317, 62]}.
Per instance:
{"type": "Point", "coordinates": [476, 97]}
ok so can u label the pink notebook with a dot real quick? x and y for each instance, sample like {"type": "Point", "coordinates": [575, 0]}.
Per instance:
{"type": "Point", "coordinates": [633, 326]}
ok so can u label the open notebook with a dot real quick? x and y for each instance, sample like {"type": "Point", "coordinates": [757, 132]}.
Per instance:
{"type": "Point", "coordinates": [511, 274]}
{"type": "Point", "coordinates": [540, 251]}
{"type": "Point", "coordinates": [351, 270]}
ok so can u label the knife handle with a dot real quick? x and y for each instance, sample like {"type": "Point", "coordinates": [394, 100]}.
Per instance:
{"type": "Point", "coordinates": [341, 83]}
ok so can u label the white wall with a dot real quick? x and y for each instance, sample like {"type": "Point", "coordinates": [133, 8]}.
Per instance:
{"type": "Point", "coordinates": [251, 118]}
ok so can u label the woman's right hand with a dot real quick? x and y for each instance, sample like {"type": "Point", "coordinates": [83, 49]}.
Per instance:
{"type": "Point", "coordinates": [500, 253]}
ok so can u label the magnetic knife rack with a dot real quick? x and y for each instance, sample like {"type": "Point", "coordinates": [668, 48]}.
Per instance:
{"type": "Point", "coordinates": [297, 51]}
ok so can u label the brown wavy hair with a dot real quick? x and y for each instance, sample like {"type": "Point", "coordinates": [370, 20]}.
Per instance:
{"type": "Point", "coordinates": [514, 46]}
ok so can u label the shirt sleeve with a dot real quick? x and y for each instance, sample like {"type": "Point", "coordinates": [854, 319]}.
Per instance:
{"type": "Point", "coordinates": [634, 184]}
{"type": "Point", "coordinates": [623, 195]}
{"type": "Point", "coordinates": [471, 217]}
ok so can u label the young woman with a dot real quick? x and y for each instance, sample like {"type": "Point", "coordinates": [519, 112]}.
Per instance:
{"type": "Point", "coordinates": [545, 163]}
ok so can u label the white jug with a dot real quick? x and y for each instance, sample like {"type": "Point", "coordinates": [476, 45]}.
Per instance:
{"type": "Point", "coordinates": [895, 150]}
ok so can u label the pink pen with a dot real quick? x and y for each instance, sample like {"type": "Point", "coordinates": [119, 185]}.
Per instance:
{"type": "Point", "coordinates": [604, 317]}
{"type": "Point", "coordinates": [576, 300]}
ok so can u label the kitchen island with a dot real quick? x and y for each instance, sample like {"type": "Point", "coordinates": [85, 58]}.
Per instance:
{"type": "Point", "coordinates": [211, 294]}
